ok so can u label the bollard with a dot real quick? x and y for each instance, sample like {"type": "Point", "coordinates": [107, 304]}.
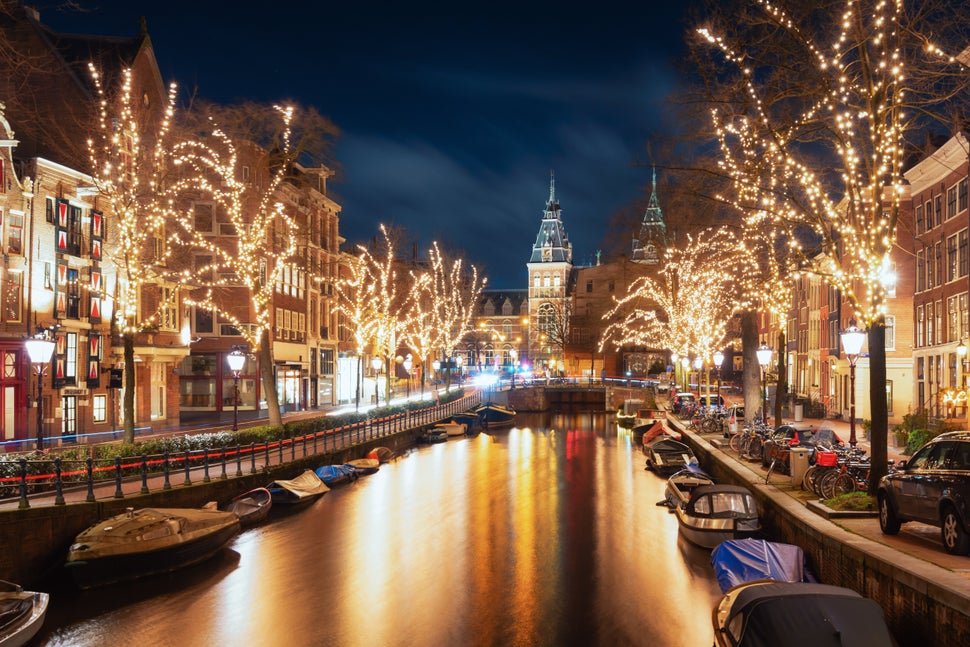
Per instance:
{"type": "Point", "coordinates": [118, 493]}
{"type": "Point", "coordinates": [188, 479]}
{"type": "Point", "coordinates": [58, 486]}
{"type": "Point", "coordinates": [205, 465]}
{"type": "Point", "coordinates": [24, 503]}
{"type": "Point", "coordinates": [167, 485]}
{"type": "Point", "coordinates": [144, 474]}
{"type": "Point", "coordinates": [90, 466]}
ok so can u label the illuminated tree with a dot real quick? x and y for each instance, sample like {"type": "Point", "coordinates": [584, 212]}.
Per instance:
{"type": "Point", "coordinates": [129, 157]}
{"type": "Point", "coordinates": [813, 105]}
{"type": "Point", "coordinates": [355, 294]}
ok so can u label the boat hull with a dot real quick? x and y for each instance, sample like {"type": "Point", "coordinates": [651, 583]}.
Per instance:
{"type": "Point", "coordinates": [23, 614]}
{"type": "Point", "coordinates": [251, 507]}
{"type": "Point", "coordinates": [493, 415]}
{"type": "Point", "coordinates": [702, 534]}
{"type": "Point", "coordinates": [108, 552]}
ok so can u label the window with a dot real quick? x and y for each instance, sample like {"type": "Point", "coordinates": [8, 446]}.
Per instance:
{"type": "Point", "coordinates": [929, 268]}
{"type": "Point", "coordinates": [589, 286]}
{"type": "Point", "coordinates": [13, 296]}
{"type": "Point", "coordinates": [203, 321]}
{"type": "Point", "coordinates": [964, 260]}
{"type": "Point", "coordinates": [48, 283]}
{"type": "Point", "coordinates": [73, 294]}
{"type": "Point", "coordinates": [15, 233]}
{"type": "Point", "coordinates": [964, 329]}
{"type": "Point", "coordinates": [100, 408]}
{"type": "Point", "coordinates": [168, 309]}
{"type": "Point", "coordinates": [929, 324]}
{"type": "Point", "coordinates": [938, 208]}
{"type": "Point", "coordinates": [952, 319]}
{"type": "Point", "coordinates": [920, 272]}
{"type": "Point", "coordinates": [928, 211]}
{"type": "Point", "coordinates": [951, 202]}
{"type": "Point", "coordinates": [70, 357]}
{"type": "Point", "coordinates": [951, 258]}
{"type": "Point", "coordinates": [889, 396]}
{"type": "Point", "coordinates": [939, 322]}
{"type": "Point", "coordinates": [202, 213]}
{"type": "Point", "coordinates": [939, 263]}
{"type": "Point", "coordinates": [962, 195]}
{"type": "Point", "coordinates": [326, 361]}
{"type": "Point", "coordinates": [919, 219]}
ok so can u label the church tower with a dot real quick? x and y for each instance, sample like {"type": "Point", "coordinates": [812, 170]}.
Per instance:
{"type": "Point", "coordinates": [650, 244]}
{"type": "Point", "coordinates": [550, 268]}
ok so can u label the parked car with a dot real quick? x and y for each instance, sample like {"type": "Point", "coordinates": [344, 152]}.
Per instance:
{"type": "Point", "coordinates": [682, 399]}
{"type": "Point", "coordinates": [711, 400]}
{"type": "Point", "coordinates": [798, 434]}
{"type": "Point", "coordinates": [932, 487]}
{"type": "Point", "coordinates": [734, 419]}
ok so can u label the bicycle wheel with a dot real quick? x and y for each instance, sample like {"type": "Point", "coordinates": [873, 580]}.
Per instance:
{"type": "Point", "coordinates": [735, 442]}
{"type": "Point", "coordinates": [844, 483]}
{"type": "Point", "coordinates": [827, 485]}
{"type": "Point", "coordinates": [754, 447]}
{"type": "Point", "coordinates": [806, 483]}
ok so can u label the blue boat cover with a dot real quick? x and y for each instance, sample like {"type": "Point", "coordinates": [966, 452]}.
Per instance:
{"type": "Point", "coordinates": [737, 561]}
{"type": "Point", "coordinates": [335, 473]}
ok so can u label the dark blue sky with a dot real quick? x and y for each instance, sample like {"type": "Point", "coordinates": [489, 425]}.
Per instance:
{"type": "Point", "coordinates": [452, 114]}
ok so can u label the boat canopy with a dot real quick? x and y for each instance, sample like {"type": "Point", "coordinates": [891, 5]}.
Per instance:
{"type": "Point", "coordinates": [737, 561]}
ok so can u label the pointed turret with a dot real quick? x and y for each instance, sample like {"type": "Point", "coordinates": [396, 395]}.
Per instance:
{"type": "Point", "coordinates": [649, 245]}
{"type": "Point", "coordinates": [552, 244]}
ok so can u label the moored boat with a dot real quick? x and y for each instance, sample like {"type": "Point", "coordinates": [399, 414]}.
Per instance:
{"type": "Point", "coordinates": [769, 614]}
{"type": "Point", "coordinates": [337, 474]}
{"type": "Point", "coordinates": [382, 454]}
{"type": "Point", "coordinates": [146, 542]}
{"type": "Point", "coordinates": [716, 513]}
{"type": "Point", "coordinates": [364, 466]}
{"type": "Point", "coordinates": [21, 614]}
{"type": "Point", "coordinates": [682, 483]}
{"type": "Point", "coordinates": [495, 415]}
{"type": "Point", "coordinates": [305, 488]}
{"type": "Point", "coordinates": [452, 428]}
{"type": "Point", "coordinates": [737, 561]}
{"type": "Point", "coordinates": [651, 428]}
{"type": "Point", "coordinates": [666, 455]}
{"type": "Point", "coordinates": [251, 507]}
{"type": "Point", "coordinates": [470, 419]}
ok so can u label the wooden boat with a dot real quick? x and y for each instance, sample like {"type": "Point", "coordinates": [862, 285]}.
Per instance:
{"type": "Point", "coordinates": [382, 454]}
{"type": "Point", "coordinates": [738, 561]}
{"type": "Point", "coordinates": [433, 435]}
{"type": "Point", "coordinates": [148, 541]}
{"type": "Point", "coordinates": [364, 466]}
{"type": "Point", "coordinates": [251, 507]}
{"type": "Point", "coordinates": [716, 513]}
{"type": "Point", "coordinates": [626, 415]}
{"type": "Point", "coordinates": [666, 455]}
{"type": "Point", "coordinates": [337, 474]}
{"type": "Point", "coordinates": [681, 483]}
{"type": "Point", "coordinates": [21, 614]}
{"type": "Point", "coordinates": [470, 419]}
{"type": "Point", "coordinates": [768, 613]}
{"type": "Point", "coordinates": [305, 488]}
{"type": "Point", "coordinates": [495, 415]}
{"type": "Point", "coordinates": [649, 430]}
{"type": "Point", "coordinates": [452, 428]}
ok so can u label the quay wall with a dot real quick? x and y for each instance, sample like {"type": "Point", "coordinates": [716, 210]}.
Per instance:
{"type": "Point", "coordinates": [924, 604]}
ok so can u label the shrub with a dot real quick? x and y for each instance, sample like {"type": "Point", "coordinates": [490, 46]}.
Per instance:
{"type": "Point", "coordinates": [917, 438]}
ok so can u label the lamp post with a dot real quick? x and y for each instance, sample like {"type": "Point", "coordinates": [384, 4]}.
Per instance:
{"type": "Point", "coordinates": [764, 358]}
{"type": "Point", "coordinates": [376, 365]}
{"type": "Point", "coordinates": [852, 339]}
{"type": "Point", "coordinates": [236, 359]}
{"type": "Point", "coordinates": [408, 363]}
{"type": "Point", "coordinates": [40, 348]}
{"type": "Point", "coordinates": [718, 361]}
{"type": "Point", "coordinates": [698, 364]}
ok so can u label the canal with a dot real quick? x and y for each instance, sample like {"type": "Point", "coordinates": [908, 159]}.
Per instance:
{"type": "Point", "coordinates": [544, 534]}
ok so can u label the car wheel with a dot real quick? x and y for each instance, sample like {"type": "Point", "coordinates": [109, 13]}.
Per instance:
{"type": "Point", "coordinates": [956, 541]}
{"type": "Point", "coordinates": [888, 521]}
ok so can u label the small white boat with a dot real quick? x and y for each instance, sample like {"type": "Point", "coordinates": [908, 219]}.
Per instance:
{"type": "Point", "coordinates": [716, 513]}
{"type": "Point", "coordinates": [680, 485]}
{"type": "Point", "coordinates": [452, 428]}
{"type": "Point", "coordinates": [21, 614]}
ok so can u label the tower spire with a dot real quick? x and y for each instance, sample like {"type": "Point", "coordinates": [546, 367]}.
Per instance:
{"type": "Point", "coordinates": [552, 186]}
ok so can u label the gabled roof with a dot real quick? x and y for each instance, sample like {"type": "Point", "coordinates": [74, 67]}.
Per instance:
{"type": "Point", "coordinates": [552, 244]}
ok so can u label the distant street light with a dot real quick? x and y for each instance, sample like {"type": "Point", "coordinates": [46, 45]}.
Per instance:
{"type": "Point", "coordinates": [40, 348]}
{"type": "Point", "coordinates": [852, 340]}
{"type": "Point", "coordinates": [764, 359]}
{"type": "Point", "coordinates": [408, 363]}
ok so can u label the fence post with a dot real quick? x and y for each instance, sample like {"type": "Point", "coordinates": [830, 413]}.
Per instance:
{"type": "Point", "coordinates": [205, 464]}
{"type": "Point", "coordinates": [292, 448]}
{"type": "Point", "coordinates": [238, 460]}
{"type": "Point", "coordinates": [90, 466]}
{"type": "Point", "coordinates": [144, 474]}
{"type": "Point", "coordinates": [58, 486]}
{"type": "Point", "coordinates": [222, 475]}
{"type": "Point", "coordinates": [167, 466]}
{"type": "Point", "coordinates": [266, 446]}
{"type": "Point", "coordinates": [24, 503]}
{"type": "Point", "coordinates": [304, 445]}
{"type": "Point", "coordinates": [188, 479]}
{"type": "Point", "coordinates": [118, 493]}
{"type": "Point", "coordinates": [252, 457]}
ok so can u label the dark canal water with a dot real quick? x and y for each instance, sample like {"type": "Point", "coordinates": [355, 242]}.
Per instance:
{"type": "Point", "coordinates": [544, 534]}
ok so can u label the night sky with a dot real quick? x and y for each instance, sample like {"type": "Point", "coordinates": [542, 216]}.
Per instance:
{"type": "Point", "coordinates": [452, 114]}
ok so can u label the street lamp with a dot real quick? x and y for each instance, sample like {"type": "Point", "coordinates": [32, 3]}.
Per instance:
{"type": "Point", "coordinates": [718, 361]}
{"type": "Point", "coordinates": [764, 359]}
{"type": "Point", "coordinates": [852, 339]}
{"type": "Point", "coordinates": [698, 364]}
{"type": "Point", "coordinates": [408, 363]}
{"type": "Point", "coordinates": [236, 359]}
{"type": "Point", "coordinates": [40, 348]}
{"type": "Point", "coordinates": [514, 354]}
{"type": "Point", "coordinates": [376, 365]}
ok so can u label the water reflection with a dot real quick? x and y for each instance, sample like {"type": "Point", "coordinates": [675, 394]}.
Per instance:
{"type": "Point", "coordinates": [544, 534]}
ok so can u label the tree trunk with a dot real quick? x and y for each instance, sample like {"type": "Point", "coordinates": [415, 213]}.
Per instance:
{"type": "Point", "coordinates": [268, 377]}
{"type": "Point", "coordinates": [781, 384]}
{"type": "Point", "coordinates": [878, 405]}
{"type": "Point", "coordinates": [358, 378]}
{"type": "Point", "coordinates": [128, 406]}
{"type": "Point", "coordinates": [750, 369]}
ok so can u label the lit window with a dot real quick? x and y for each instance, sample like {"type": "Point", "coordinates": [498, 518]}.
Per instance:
{"type": "Point", "coordinates": [100, 408]}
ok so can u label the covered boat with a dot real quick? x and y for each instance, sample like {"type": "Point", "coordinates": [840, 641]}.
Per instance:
{"type": "Point", "coordinates": [364, 466]}
{"type": "Point", "coordinates": [495, 415]}
{"type": "Point", "coordinates": [148, 541]}
{"type": "Point", "coordinates": [21, 614]}
{"type": "Point", "coordinates": [737, 561]}
{"type": "Point", "coordinates": [305, 488]}
{"type": "Point", "coordinates": [452, 428]}
{"type": "Point", "coordinates": [666, 455]}
{"type": "Point", "coordinates": [251, 507]}
{"type": "Point", "coordinates": [382, 454]}
{"type": "Point", "coordinates": [470, 419]}
{"type": "Point", "coordinates": [682, 483]}
{"type": "Point", "coordinates": [648, 430]}
{"type": "Point", "coordinates": [433, 435]}
{"type": "Point", "coordinates": [716, 513]}
{"type": "Point", "coordinates": [337, 474]}
{"type": "Point", "coordinates": [770, 614]}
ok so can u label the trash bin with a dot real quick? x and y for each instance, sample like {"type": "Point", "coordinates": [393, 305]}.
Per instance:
{"type": "Point", "coordinates": [799, 412]}
{"type": "Point", "coordinates": [799, 464]}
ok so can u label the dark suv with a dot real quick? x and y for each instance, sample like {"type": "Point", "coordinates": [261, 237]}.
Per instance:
{"type": "Point", "coordinates": [932, 487]}
{"type": "Point", "coordinates": [796, 434]}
